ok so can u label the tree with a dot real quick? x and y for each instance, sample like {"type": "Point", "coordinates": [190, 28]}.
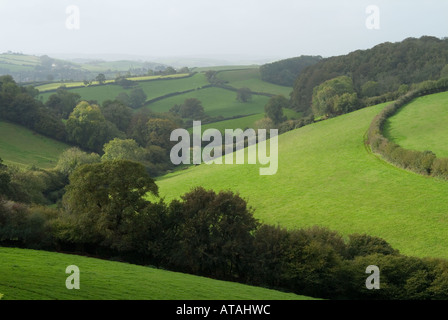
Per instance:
{"type": "Point", "coordinates": [101, 78]}
{"type": "Point", "coordinates": [243, 95]}
{"type": "Point", "coordinates": [211, 233]}
{"type": "Point", "coordinates": [136, 98]}
{"type": "Point", "coordinates": [118, 113]}
{"type": "Point", "coordinates": [274, 109]}
{"type": "Point", "coordinates": [159, 133]}
{"type": "Point", "coordinates": [123, 149]}
{"type": "Point", "coordinates": [63, 102]}
{"type": "Point", "coordinates": [88, 128]}
{"type": "Point", "coordinates": [103, 198]}
{"type": "Point", "coordinates": [74, 157]}
{"type": "Point", "coordinates": [326, 97]}
{"type": "Point", "coordinates": [192, 109]}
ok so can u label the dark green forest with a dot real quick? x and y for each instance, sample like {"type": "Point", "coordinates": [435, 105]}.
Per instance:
{"type": "Point", "coordinates": [381, 70]}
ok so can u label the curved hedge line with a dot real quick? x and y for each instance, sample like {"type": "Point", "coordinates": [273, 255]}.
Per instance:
{"type": "Point", "coordinates": [422, 162]}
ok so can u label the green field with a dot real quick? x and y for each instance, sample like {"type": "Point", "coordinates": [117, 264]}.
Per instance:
{"type": "Point", "coordinates": [245, 122]}
{"type": "Point", "coordinates": [110, 91]}
{"type": "Point", "coordinates": [40, 275]}
{"type": "Point", "coordinates": [251, 78]}
{"type": "Point", "coordinates": [216, 102]}
{"type": "Point", "coordinates": [421, 125]}
{"type": "Point", "coordinates": [328, 177]}
{"type": "Point", "coordinates": [17, 63]}
{"type": "Point", "coordinates": [23, 147]}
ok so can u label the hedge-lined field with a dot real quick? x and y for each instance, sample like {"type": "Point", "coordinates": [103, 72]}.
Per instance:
{"type": "Point", "coordinates": [421, 125]}
{"type": "Point", "coordinates": [327, 176]}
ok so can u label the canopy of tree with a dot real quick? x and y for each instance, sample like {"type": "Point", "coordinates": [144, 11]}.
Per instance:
{"type": "Point", "coordinates": [285, 72]}
{"type": "Point", "coordinates": [388, 64]}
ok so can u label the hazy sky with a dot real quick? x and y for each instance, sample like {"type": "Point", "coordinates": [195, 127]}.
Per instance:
{"type": "Point", "coordinates": [259, 28]}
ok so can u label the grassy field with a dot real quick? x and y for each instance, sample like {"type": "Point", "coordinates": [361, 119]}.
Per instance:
{"type": "Point", "coordinates": [39, 275]}
{"type": "Point", "coordinates": [327, 177]}
{"type": "Point", "coordinates": [216, 102]}
{"type": "Point", "coordinates": [245, 122]}
{"type": "Point", "coordinates": [251, 78]}
{"type": "Point", "coordinates": [24, 148]}
{"type": "Point", "coordinates": [17, 63]}
{"type": "Point", "coordinates": [110, 90]}
{"type": "Point", "coordinates": [422, 125]}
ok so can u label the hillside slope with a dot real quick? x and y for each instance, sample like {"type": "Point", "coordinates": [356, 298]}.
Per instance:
{"type": "Point", "coordinates": [40, 275]}
{"type": "Point", "coordinates": [328, 177]}
{"type": "Point", "coordinates": [23, 147]}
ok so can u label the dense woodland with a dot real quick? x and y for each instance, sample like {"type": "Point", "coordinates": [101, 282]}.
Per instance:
{"type": "Point", "coordinates": [285, 72]}
{"type": "Point", "coordinates": [381, 70]}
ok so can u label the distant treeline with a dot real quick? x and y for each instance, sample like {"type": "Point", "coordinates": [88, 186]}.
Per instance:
{"type": "Point", "coordinates": [422, 162]}
{"type": "Point", "coordinates": [285, 72]}
{"type": "Point", "coordinates": [213, 234]}
{"type": "Point", "coordinates": [377, 71]}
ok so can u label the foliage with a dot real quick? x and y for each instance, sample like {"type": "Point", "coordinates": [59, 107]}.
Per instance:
{"type": "Point", "coordinates": [390, 65]}
{"type": "Point", "coordinates": [88, 128]}
{"type": "Point", "coordinates": [334, 97]}
{"type": "Point", "coordinates": [274, 109]}
{"type": "Point", "coordinates": [243, 95]}
{"type": "Point", "coordinates": [285, 72]}
{"type": "Point", "coordinates": [103, 198]}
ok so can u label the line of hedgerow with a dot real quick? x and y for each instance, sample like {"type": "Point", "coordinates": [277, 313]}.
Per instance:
{"type": "Point", "coordinates": [422, 162]}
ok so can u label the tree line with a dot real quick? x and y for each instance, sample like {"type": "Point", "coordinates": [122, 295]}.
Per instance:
{"type": "Point", "coordinates": [422, 162]}
{"type": "Point", "coordinates": [112, 210]}
{"type": "Point", "coordinates": [380, 71]}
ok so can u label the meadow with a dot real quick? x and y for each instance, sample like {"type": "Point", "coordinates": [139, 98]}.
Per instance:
{"type": "Point", "coordinates": [421, 125]}
{"type": "Point", "coordinates": [40, 275]}
{"type": "Point", "coordinates": [216, 102]}
{"type": "Point", "coordinates": [24, 148]}
{"type": "Point", "coordinates": [251, 78]}
{"type": "Point", "coordinates": [110, 90]}
{"type": "Point", "coordinates": [327, 176]}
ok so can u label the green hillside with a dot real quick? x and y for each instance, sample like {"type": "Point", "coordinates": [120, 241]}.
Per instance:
{"type": "Point", "coordinates": [216, 102]}
{"type": "Point", "coordinates": [251, 78]}
{"type": "Point", "coordinates": [39, 275]}
{"type": "Point", "coordinates": [422, 125]}
{"type": "Point", "coordinates": [23, 147]}
{"type": "Point", "coordinates": [328, 177]}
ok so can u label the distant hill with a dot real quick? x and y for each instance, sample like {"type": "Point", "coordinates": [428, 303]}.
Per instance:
{"type": "Point", "coordinates": [384, 67]}
{"type": "Point", "coordinates": [32, 68]}
{"type": "Point", "coordinates": [285, 72]}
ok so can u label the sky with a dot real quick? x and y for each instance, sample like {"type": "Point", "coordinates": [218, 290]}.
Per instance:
{"type": "Point", "coordinates": [225, 28]}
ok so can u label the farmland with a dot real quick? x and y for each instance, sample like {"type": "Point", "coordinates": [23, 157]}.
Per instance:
{"type": "Point", "coordinates": [421, 125]}
{"type": "Point", "coordinates": [329, 178]}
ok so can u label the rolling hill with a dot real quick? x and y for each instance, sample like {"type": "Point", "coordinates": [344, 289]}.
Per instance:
{"type": "Point", "coordinates": [23, 147]}
{"type": "Point", "coordinates": [421, 125]}
{"type": "Point", "coordinates": [328, 177]}
{"type": "Point", "coordinates": [39, 275]}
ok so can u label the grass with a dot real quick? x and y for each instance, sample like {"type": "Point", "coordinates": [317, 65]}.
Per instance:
{"type": "Point", "coordinates": [251, 78]}
{"type": "Point", "coordinates": [216, 102]}
{"type": "Point", "coordinates": [245, 122]}
{"type": "Point", "coordinates": [23, 147]}
{"type": "Point", "coordinates": [327, 177]}
{"type": "Point", "coordinates": [153, 89]}
{"type": "Point", "coordinates": [421, 125]}
{"type": "Point", "coordinates": [40, 275]}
